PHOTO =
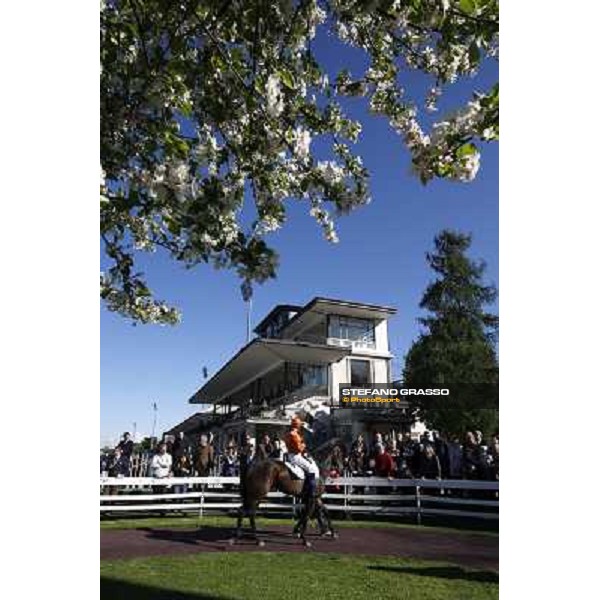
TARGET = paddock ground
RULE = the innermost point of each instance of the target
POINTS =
(161, 562)
(471, 550)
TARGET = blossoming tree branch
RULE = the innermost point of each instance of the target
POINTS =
(207, 105)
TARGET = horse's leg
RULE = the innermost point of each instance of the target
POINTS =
(253, 525)
(325, 518)
(319, 513)
(299, 517)
(240, 516)
(240, 520)
(309, 507)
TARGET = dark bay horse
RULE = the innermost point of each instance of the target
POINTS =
(272, 475)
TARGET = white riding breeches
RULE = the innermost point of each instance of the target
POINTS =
(306, 464)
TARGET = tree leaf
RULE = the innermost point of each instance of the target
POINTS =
(468, 6)
(466, 150)
(474, 54)
(286, 78)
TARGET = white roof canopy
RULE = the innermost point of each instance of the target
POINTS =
(258, 357)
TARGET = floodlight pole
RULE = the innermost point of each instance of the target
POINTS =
(155, 408)
(248, 319)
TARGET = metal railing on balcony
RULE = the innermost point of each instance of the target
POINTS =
(335, 341)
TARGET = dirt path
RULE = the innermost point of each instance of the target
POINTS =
(469, 550)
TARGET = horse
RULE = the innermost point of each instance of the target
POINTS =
(268, 475)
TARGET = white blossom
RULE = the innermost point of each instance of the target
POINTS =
(268, 223)
(467, 168)
(432, 98)
(331, 172)
(178, 173)
(273, 96)
(261, 131)
(316, 16)
(302, 143)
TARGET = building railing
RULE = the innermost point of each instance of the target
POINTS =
(335, 341)
(347, 495)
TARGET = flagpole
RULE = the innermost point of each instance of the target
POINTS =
(155, 408)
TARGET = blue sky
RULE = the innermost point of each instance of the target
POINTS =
(380, 259)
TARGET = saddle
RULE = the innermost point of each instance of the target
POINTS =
(295, 471)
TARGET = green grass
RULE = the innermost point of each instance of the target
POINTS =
(272, 576)
(225, 521)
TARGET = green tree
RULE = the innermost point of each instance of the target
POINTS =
(458, 344)
(209, 105)
(144, 445)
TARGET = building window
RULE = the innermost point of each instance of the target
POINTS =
(306, 376)
(360, 372)
(314, 376)
(350, 328)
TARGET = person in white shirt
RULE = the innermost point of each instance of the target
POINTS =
(161, 466)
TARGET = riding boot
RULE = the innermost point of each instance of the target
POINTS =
(310, 486)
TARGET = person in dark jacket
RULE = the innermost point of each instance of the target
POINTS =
(126, 445)
(205, 457)
(337, 460)
(104, 459)
(246, 455)
(180, 446)
(406, 452)
(265, 448)
(277, 453)
(118, 466)
(472, 459)
(402, 468)
(181, 468)
(430, 464)
(455, 459)
(440, 445)
(495, 454)
(358, 456)
(230, 467)
(333, 466)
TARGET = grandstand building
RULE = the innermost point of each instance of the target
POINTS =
(295, 364)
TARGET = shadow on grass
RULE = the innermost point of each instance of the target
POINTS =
(210, 534)
(115, 589)
(217, 535)
(442, 573)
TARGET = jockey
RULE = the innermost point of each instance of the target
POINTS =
(296, 455)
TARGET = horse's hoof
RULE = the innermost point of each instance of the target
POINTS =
(260, 543)
(335, 535)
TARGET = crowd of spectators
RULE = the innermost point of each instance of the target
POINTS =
(431, 456)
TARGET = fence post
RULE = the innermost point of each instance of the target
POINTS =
(201, 500)
(418, 499)
(346, 500)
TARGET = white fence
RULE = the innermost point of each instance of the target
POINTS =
(348, 495)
